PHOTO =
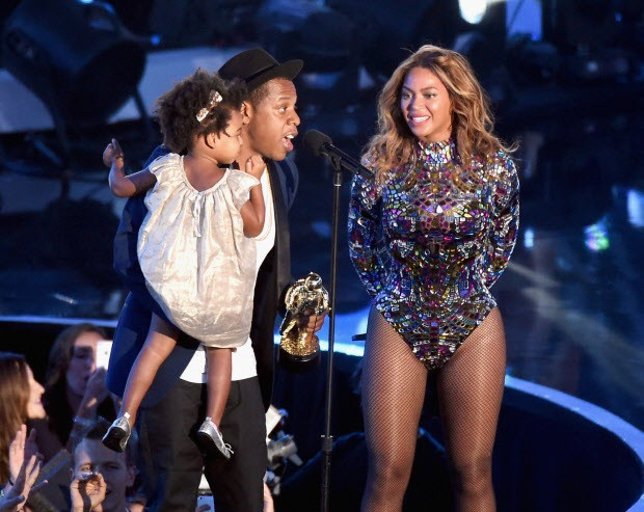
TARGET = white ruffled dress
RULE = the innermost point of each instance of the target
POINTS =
(197, 263)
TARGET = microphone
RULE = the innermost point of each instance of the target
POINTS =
(322, 145)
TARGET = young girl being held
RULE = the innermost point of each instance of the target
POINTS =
(194, 247)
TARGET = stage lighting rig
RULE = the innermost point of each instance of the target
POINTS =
(77, 58)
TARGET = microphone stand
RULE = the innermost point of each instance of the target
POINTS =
(327, 438)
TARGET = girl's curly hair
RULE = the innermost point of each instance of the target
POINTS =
(177, 109)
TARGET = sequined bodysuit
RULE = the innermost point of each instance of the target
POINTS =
(430, 241)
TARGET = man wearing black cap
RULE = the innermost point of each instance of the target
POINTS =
(175, 405)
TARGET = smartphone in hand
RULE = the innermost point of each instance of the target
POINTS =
(103, 349)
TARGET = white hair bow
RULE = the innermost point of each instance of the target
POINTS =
(213, 100)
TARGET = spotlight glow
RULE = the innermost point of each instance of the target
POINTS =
(472, 11)
(596, 236)
(528, 238)
(635, 207)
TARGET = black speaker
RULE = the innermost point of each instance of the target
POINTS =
(76, 56)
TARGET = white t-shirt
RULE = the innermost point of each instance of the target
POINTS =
(244, 363)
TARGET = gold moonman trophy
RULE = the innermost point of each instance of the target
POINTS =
(305, 297)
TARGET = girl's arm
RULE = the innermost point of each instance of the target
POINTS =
(123, 185)
(253, 211)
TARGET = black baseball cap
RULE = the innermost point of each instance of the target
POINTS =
(256, 66)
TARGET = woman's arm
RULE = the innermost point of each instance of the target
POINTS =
(95, 392)
(504, 222)
(253, 212)
(21, 448)
(364, 228)
(24, 481)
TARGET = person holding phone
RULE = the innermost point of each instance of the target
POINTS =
(75, 391)
(103, 349)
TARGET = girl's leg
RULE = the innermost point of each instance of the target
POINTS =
(161, 340)
(393, 389)
(219, 376)
(470, 389)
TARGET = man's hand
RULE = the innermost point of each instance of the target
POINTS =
(88, 495)
(311, 323)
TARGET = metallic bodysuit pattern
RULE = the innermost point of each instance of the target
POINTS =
(429, 242)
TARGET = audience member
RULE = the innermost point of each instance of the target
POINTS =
(20, 461)
(101, 477)
(20, 401)
(75, 392)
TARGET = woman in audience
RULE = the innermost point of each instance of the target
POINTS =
(75, 392)
(20, 401)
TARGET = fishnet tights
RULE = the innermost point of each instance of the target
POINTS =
(470, 388)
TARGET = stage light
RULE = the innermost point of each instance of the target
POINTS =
(472, 11)
(76, 57)
(635, 207)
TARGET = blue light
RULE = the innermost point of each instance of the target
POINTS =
(635, 207)
(528, 238)
(524, 17)
(596, 236)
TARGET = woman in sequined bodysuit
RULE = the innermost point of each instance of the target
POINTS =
(428, 237)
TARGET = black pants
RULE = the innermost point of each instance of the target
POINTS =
(172, 462)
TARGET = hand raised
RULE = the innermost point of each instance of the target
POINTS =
(96, 388)
(11, 503)
(24, 484)
(113, 155)
(21, 449)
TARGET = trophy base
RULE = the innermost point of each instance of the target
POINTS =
(298, 363)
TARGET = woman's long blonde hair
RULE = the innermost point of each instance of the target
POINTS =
(14, 396)
(472, 122)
